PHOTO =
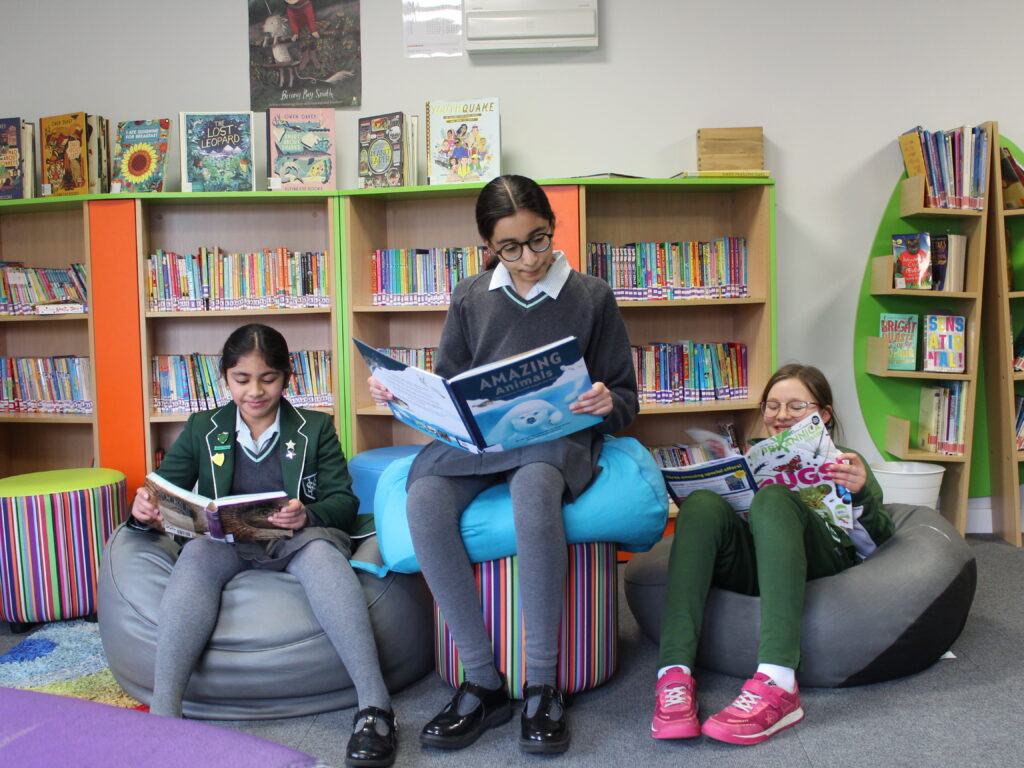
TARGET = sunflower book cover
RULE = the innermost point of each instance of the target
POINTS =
(140, 155)
(17, 158)
(64, 154)
(463, 141)
(300, 148)
(216, 152)
(242, 517)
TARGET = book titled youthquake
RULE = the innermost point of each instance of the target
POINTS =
(900, 333)
(140, 155)
(301, 144)
(463, 141)
(242, 517)
(216, 152)
(506, 404)
(387, 150)
(796, 458)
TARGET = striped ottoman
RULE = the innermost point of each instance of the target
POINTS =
(588, 638)
(52, 529)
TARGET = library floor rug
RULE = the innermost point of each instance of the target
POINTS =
(65, 658)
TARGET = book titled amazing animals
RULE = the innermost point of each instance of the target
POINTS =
(506, 404)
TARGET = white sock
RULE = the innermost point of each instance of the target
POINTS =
(683, 667)
(784, 677)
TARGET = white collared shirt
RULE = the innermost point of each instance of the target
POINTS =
(245, 440)
(550, 284)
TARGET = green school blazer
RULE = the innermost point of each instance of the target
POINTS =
(314, 468)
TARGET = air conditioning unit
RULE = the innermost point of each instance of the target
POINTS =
(529, 25)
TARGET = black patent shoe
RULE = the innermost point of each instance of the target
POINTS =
(450, 730)
(367, 748)
(547, 732)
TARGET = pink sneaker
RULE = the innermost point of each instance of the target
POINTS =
(675, 710)
(758, 712)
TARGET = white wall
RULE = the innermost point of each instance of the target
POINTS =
(832, 83)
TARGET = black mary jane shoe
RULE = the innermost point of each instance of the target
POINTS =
(546, 732)
(450, 730)
(367, 748)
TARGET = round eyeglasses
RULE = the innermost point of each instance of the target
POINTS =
(794, 406)
(513, 251)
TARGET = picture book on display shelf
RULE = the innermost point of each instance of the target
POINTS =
(463, 141)
(216, 152)
(900, 333)
(74, 154)
(796, 458)
(517, 401)
(140, 155)
(241, 517)
(387, 150)
(300, 148)
(912, 265)
(943, 343)
(17, 158)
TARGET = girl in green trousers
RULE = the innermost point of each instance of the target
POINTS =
(773, 553)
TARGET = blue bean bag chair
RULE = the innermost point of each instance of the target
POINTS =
(626, 504)
(894, 614)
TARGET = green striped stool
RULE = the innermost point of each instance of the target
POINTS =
(587, 639)
(52, 529)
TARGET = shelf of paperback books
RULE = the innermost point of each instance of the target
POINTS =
(46, 406)
(209, 263)
(1003, 318)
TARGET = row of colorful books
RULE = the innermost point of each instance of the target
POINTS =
(690, 371)
(217, 153)
(931, 262)
(952, 163)
(693, 269)
(422, 358)
(942, 419)
(424, 276)
(42, 290)
(45, 384)
(941, 338)
(212, 279)
(192, 382)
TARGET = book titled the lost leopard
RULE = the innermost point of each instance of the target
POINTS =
(242, 517)
(506, 404)
(797, 458)
(216, 152)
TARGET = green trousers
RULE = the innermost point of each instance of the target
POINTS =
(773, 553)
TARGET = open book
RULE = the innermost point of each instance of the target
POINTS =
(795, 458)
(242, 517)
(506, 404)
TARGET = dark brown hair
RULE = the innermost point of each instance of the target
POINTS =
(256, 337)
(505, 196)
(816, 384)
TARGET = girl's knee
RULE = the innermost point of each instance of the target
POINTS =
(774, 500)
(706, 506)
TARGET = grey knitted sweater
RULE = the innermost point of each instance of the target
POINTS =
(484, 325)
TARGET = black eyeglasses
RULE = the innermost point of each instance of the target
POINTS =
(514, 251)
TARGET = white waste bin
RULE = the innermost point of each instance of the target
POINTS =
(909, 482)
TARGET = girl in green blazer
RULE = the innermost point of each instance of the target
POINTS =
(260, 442)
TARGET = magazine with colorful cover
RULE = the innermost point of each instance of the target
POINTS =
(796, 458)
(387, 150)
(301, 143)
(516, 401)
(463, 141)
(140, 155)
(242, 517)
(17, 158)
(216, 152)
(912, 266)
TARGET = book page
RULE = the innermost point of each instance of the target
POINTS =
(183, 512)
(730, 477)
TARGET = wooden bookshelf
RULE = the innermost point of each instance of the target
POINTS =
(1003, 316)
(901, 389)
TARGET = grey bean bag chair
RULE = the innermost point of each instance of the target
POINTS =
(268, 657)
(894, 614)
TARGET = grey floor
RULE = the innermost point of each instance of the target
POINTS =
(960, 712)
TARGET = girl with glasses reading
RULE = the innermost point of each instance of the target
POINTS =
(780, 546)
(527, 297)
